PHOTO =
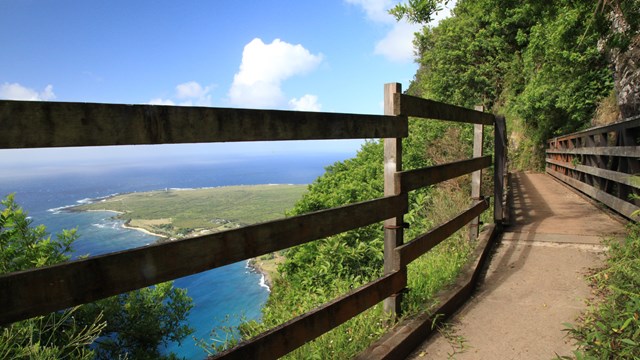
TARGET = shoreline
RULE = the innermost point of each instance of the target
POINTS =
(254, 265)
(265, 265)
(127, 226)
(87, 201)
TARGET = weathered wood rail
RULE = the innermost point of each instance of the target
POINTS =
(600, 162)
(49, 124)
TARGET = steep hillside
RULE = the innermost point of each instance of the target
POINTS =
(546, 65)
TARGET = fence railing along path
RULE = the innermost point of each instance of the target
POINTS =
(39, 291)
(535, 280)
(600, 162)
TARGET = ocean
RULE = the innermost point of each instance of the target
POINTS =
(221, 296)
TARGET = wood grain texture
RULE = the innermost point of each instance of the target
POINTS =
(500, 171)
(623, 207)
(619, 177)
(626, 151)
(393, 227)
(476, 176)
(34, 124)
(415, 179)
(424, 108)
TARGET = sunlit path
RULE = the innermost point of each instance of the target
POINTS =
(535, 280)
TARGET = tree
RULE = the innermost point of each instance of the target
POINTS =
(418, 11)
(139, 322)
(54, 336)
(537, 61)
(134, 324)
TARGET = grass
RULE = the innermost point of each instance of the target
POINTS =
(426, 276)
(610, 329)
(180, 213)
(238, 205)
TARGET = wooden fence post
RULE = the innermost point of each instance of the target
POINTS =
(393, 228)
(476, 176)
(499, 169)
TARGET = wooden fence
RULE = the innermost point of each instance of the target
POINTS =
(600, 162)
(49, 124)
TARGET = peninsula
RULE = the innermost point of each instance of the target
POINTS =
(173, 214)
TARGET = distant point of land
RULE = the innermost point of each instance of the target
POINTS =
(179, 213)
(173, 214)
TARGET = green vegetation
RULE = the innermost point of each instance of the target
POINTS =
(537, 62)
(611, 327)
(320, 271)
(181, 213)
(132, 325)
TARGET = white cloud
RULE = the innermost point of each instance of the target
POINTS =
(264, 67)
(397, 45)
(159, 101)
(190, 93)
(16, 91)
(307, 102)
(376, 10)
(190, 89)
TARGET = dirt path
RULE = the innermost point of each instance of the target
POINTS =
(535, 280)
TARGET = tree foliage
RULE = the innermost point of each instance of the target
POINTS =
(133, 325)
(417, 11)
(140, 322)
(54, 336)
(536, 61)
(539, 62)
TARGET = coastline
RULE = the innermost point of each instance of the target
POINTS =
(126, 225)
(267, 265)
(254, 265)
(165, 227)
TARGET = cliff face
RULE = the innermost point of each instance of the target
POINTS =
(627, 82)
(625, 63)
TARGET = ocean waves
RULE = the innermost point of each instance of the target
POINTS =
(57, 210)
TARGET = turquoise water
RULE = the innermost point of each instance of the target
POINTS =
(221, 296)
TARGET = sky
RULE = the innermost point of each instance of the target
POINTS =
(332, 55)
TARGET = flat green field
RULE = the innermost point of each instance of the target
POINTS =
(182, 213)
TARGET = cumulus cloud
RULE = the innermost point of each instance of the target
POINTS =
(397, 45)
(16, 91)
(190, 93)
(376, 10)
(264, 67)
(307, 102)
(191, 90)
(159, 101)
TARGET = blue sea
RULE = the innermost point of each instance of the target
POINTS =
(45, 186)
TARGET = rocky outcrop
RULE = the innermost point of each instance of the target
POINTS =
(625, 63)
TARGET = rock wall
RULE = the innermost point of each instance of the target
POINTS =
(625, 63)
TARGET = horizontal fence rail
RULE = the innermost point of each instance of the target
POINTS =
(42, 124)
(40, 291)
(623, 151)
(415, 179)
(427, 241)
(34, 124)
(602, 162)
(295, 333)
(424, 108)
